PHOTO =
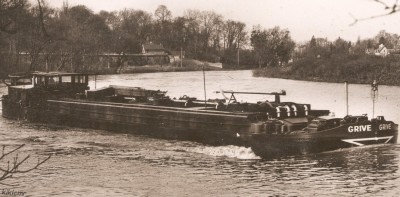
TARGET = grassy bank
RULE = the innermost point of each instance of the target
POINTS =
(361, 69)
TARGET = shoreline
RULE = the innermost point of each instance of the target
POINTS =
(324, 81)
(353, 69)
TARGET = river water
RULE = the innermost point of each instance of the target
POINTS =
(88, 162)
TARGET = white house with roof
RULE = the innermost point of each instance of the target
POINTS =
(382, 51)
(154, 49)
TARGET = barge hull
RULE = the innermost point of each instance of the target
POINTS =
(205, 127)
(165, 122)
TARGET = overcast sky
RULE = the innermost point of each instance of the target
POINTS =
(304, 18)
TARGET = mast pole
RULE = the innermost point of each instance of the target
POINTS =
(47, 65)
(374, 91)
(238, 56)
(181, 56)
(204, 85)
(346, 87)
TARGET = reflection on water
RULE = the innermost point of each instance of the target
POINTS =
(89, 162)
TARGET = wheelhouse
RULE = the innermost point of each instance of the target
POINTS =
(23, 79)
(60, 79)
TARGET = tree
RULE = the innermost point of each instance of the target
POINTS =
(9, 12)
(285, 48)
(382, 40)
(209, 22)
(259, 43)
(16, 165)
(162, 14)
(111, 19)
(234, 37)
(234, 34)
(273, 46)
(75, 33)
(361, 46)
(313, 42)
(340, 46)
(136, 28)
(192, 18)
(179, 34)
(35, 38)
(163, 25)
(387, 39)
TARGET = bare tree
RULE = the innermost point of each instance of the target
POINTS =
(14, 166)
(234, 34)
(209, 22)
(163, 14)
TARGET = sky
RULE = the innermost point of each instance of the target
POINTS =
(303, 18)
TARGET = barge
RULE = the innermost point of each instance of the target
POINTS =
(270, 128)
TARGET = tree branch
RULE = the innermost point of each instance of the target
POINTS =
(382, 3)
(392, 9)
(5, 154)
(16, 164)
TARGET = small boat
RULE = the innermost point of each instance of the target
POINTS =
(270, 128)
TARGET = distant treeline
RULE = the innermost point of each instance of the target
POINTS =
(72, 38)
(63, 37)
(340, 60)
(339, 68)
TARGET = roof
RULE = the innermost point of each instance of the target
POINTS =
(153, 47)
(20, 76)
(24, 87)
(381, 47)
(51, 74)
(327, 117)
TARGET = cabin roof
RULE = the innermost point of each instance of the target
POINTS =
(153, 47)
(327, 117)
(22, 87)
(20, 75)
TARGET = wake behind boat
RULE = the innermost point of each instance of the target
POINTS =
(270, 128)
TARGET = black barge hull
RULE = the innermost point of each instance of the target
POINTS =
(270, 128)
(209, 127)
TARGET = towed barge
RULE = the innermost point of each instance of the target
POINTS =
(270, 128)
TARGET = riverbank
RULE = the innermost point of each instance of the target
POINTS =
(187, 65)
(357, 69)
(103, 69)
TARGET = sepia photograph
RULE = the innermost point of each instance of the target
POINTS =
(199, 98)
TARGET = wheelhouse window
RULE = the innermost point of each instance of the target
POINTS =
(66, 79)
(58, 80)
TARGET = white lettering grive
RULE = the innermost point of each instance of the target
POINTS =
(359, 128)
(385, 127)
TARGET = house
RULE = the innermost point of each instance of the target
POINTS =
(154, 49)
(382, 51)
